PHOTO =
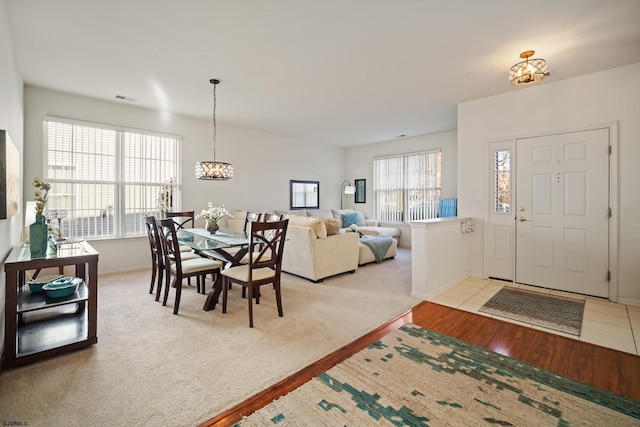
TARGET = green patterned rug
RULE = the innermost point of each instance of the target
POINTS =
(417, 377)
(548, 311)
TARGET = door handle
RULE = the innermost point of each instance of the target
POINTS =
(523, 219)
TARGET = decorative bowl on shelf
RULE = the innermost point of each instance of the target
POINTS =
(60, 288)
(36, 285)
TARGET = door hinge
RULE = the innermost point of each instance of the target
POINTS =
(609, 212)
(608, 275)
(610, 150)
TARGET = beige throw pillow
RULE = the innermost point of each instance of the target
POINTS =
(316, 224)
(332, 226)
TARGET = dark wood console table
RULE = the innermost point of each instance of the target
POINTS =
(37, 327)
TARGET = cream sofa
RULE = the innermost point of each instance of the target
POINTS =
(310, 253)
(317, 246)
(365, 226)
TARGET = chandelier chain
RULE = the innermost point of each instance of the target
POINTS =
(214, 120)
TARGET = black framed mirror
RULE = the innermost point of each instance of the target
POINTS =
(304, 194)
(361, 191)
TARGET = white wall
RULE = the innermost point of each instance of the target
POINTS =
(360, 166)
(263, 163)
(583, 102)
(11, 117)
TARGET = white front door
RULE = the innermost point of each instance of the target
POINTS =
(562, 211)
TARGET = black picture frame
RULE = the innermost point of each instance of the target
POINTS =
(361, 191)
(304, 194)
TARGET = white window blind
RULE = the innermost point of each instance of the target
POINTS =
(105, 178)
(407, 187)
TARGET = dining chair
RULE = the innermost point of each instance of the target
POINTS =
(262, 217)
(184, 219)
(271, 217)
(157, 262)
(250, 218)
(157, 256)
(264, 266)
(177, 267)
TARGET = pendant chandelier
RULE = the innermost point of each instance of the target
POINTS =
(528, 71)
(210, 169)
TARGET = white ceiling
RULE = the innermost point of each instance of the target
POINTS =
(341, 72)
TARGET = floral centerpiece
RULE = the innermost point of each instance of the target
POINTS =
(212, 215)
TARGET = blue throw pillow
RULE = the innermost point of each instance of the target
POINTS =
(349, 218)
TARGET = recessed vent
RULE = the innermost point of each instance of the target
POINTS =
(126, 98)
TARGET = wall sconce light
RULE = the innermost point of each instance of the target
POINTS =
(528, 71)
(346, 188)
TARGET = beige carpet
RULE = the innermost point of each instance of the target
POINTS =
(153, 368)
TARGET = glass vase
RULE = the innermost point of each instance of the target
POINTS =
(212, 227)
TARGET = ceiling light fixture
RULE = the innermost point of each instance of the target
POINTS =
(212, 170)
(528, 71)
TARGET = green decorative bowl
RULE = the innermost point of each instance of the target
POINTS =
(36, 285)
(61, 288)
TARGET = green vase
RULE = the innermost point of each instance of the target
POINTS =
(39, 237)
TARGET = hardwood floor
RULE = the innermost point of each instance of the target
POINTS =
(609, 369)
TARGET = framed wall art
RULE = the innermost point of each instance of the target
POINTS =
(9, 176)
(361, 191)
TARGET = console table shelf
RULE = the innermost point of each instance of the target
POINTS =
(37, 326)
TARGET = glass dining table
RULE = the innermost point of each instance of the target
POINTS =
(226, 245)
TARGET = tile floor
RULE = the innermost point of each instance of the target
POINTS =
(604, 323)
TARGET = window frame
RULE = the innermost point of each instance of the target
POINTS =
(124, 186)
(502, 181)
(407, 190)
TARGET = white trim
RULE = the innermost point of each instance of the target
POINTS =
(613, 196)
(614, 143)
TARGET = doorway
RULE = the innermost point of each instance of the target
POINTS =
(550, 226)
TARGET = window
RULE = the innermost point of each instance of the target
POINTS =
(407, 187)
(105, 178)
(502, 181)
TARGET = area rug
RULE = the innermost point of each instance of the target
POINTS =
(548, 311)
(417, 377)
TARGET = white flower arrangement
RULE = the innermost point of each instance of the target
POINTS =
(353, 228)
(213, 214)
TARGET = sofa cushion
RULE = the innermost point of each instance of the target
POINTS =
(320, 213)
(239, 214)
(379, 231)
(349, 218)
(298, 212)
(332, 226)
(316, 224)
